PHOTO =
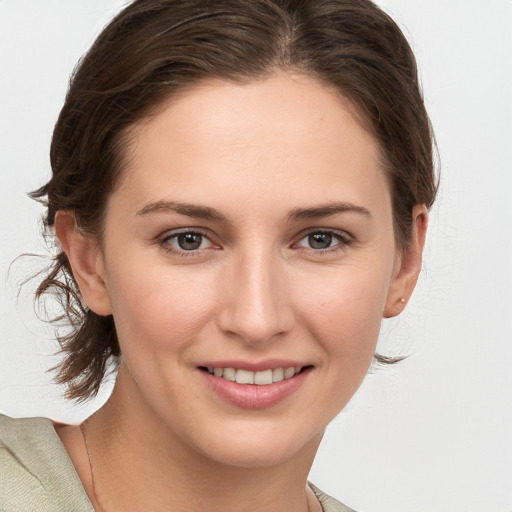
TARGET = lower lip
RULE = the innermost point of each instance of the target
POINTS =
(252, 396)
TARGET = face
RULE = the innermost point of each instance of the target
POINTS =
(251, 237)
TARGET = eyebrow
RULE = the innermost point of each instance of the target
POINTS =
(211, 214)
(326, 210)
(190, 210)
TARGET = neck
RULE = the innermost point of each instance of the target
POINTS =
(138, 464)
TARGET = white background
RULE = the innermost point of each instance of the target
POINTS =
(434, 433)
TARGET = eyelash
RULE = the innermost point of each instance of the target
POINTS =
(164, 242)
(343, 239)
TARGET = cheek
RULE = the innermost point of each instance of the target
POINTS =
(343, 310)
(160, 306)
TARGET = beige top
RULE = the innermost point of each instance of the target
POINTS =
(36, 473)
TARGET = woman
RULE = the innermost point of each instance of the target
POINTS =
(240, 191)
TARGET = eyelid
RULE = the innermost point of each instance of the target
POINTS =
(163, 239)
(344, 238)
(173, 233)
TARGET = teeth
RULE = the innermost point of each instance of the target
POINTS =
(261, 378)
(244, 377)
(289, 372)
(277, 375)
(229, 374)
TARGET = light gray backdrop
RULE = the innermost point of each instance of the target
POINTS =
(434, 433)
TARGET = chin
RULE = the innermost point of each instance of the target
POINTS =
(251, 458)
(261, 451)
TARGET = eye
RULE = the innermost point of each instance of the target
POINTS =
(186, 241)
(323, 240)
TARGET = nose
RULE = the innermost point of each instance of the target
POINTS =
(255, 303)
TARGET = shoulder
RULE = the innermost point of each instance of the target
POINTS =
(35, 470)
(329, 504)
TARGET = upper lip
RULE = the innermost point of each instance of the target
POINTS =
(268, 364)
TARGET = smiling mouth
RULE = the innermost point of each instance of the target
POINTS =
(259, 378)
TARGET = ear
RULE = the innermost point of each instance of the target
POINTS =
(86, 261)
(408, 265)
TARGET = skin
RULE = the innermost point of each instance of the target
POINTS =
(255, 289)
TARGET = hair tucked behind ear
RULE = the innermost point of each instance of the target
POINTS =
(154, 49)
(90, 339)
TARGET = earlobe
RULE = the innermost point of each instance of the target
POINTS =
(86, 261)
(408, 266)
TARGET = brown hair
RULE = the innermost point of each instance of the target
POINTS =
(155, 48)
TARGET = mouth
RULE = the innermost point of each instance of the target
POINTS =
(258, 378)
(266, 385)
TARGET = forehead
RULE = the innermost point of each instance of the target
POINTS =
(243, 142)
